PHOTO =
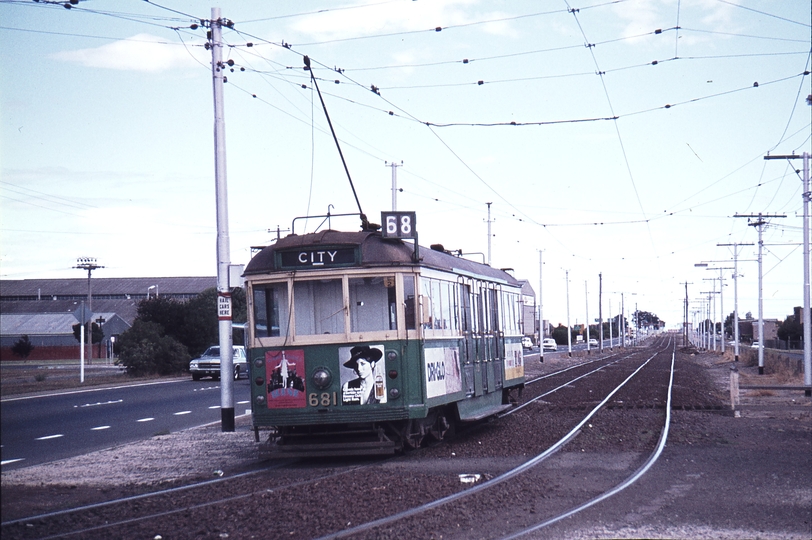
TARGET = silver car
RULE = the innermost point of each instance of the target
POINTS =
(208, 365)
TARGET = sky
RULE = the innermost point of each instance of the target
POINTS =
(610, 145)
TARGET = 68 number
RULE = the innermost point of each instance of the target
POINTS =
(399, 225)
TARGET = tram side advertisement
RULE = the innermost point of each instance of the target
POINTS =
(514, 361)
(285, 375)
(443, 375)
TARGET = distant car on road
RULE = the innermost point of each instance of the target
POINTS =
(208, 364)
(755, 345)
(593, 342)
(549, 344)
(527, 343)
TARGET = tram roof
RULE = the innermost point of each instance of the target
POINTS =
(376, 251)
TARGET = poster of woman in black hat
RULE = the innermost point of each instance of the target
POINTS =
(362, 375)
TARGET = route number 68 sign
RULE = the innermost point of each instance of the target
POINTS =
(399, 224)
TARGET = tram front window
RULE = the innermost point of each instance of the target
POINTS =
(372, 304)
(319, 307)
(271, 310)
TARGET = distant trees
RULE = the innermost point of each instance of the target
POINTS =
(22, 347)
(187, 328)
(96, 333)
(791, 330)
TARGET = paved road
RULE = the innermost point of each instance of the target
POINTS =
(40, 429)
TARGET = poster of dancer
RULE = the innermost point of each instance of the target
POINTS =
(286, 386)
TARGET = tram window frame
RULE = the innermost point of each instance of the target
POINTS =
(410, 301)
(440, 306)
(270, 300)
(366, 303)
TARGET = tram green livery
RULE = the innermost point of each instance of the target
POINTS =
(357, 346)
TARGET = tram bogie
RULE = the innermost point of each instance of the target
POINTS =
(356, 347)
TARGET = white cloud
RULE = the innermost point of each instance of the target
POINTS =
(386, 18)
(142, 52)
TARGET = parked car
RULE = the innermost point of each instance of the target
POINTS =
(593, 342)
(549, 344)
(208, 364)
(527, 343)
(755, 345)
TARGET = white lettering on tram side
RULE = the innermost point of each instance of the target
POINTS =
(316, 258)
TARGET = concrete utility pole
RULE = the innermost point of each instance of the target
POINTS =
(600, 310)
(541, 315)
(569, 332)
(223, 245)
(394, 183)
(735, 297)
(685, 318)
(489, 233)
(586, 296)
(89, 264)
(760, 222)
(807, 316)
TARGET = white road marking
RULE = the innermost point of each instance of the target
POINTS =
(99, 403)
(179, 413)
(48, 437)
(214, 407)
(145, 420)
(6, 462)
(99, 428)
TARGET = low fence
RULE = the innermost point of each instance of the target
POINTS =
(55, 352)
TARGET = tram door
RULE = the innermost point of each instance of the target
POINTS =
(490, 337)
(469, 345)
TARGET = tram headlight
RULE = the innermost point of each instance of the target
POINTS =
(394, 393)
(259, 400)
(259, 362)
(322, 378)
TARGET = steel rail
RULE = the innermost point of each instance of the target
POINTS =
(623, 485)
(494, 481)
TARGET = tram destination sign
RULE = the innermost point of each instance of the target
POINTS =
(327, 257)
(399, 224)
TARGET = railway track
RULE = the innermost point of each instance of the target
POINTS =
(535, 461)
(306, 500)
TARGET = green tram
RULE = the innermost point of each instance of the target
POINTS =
(360, 344)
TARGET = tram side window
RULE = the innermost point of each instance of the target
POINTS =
(372, 304)
(410, 301)
(271, 310)
(319, 307)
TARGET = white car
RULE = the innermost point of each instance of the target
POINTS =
(527, 343)
(208, 364)
(549, 344)
(593, 342)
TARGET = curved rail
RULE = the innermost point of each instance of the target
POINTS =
(517, 470)
(623, 485)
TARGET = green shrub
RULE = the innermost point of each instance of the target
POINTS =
(145, 350)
